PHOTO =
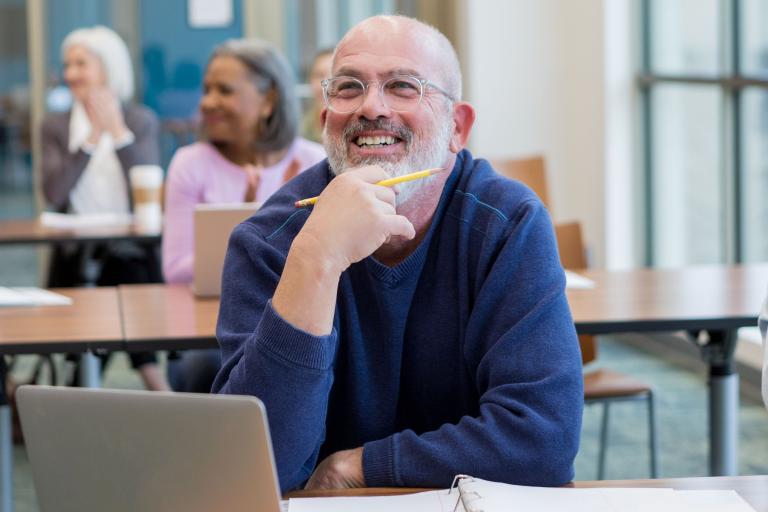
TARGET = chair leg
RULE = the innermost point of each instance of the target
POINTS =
(603, 442)
(654, 442)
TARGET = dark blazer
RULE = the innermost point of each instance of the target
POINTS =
(62, 169)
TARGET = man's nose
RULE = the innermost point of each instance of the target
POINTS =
(373, 105)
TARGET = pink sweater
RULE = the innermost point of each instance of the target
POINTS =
(198, 173)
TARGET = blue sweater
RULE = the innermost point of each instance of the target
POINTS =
(463, 358)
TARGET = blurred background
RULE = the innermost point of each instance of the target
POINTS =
(652, 114)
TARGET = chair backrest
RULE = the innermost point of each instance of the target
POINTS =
(571, 245)
(573, 256)
(530, 171)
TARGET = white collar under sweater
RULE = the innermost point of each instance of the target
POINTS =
(102, 187)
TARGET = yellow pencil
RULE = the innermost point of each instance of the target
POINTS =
(385, 183)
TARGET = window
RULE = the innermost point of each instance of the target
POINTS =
(704, 86)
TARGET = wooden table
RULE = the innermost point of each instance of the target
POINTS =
(690, 298)
(754, 489)
(92, 321)
(719, 299)
(30, 231)
(167, 317)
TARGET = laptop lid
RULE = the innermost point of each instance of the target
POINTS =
(119, 450)
(213, 225)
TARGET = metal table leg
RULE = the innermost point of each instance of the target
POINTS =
(6, 444)
(90, 370)
(723, 403)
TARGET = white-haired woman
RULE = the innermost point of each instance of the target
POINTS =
(87, 153)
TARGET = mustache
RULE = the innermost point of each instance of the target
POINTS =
(358, 126)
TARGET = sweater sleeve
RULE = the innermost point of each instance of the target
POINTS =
(182, 193)
(521, 348)
(263, 355)
(60, 168)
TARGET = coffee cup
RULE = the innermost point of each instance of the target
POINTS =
(146, 187)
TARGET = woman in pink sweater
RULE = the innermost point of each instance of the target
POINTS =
(250, 121)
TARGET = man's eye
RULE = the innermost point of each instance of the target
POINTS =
(402, 88)
(347, 89)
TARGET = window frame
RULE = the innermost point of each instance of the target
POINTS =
(731, 83)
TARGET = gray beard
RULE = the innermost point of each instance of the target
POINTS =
(420, 154)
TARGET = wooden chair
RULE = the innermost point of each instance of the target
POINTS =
(603, 385)
(530, 171)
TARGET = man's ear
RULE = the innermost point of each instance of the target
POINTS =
(323, 117)
(463, 119)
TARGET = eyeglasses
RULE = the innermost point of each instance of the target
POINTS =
(402, 93)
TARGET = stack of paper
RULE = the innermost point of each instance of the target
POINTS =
(487, 496)
(84, 221)
(29, 296)
(577, 281)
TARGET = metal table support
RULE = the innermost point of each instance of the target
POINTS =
(6, 444)
(718, 352)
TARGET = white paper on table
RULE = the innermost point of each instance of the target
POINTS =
(497, 496)
(492, 497)
(31, 296)
(437, 501)
(577, 281)
(715, 501)
(83, 221)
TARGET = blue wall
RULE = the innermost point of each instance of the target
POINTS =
(174, 55)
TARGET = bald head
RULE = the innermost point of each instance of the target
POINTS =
(413, 36)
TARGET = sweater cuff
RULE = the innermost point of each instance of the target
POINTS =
(294, 345)
(125, 140)
(379, 463)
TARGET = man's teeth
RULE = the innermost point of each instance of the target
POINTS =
(375, 141)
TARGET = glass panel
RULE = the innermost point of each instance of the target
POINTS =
(754, 37)
(312, 26)
(18, 264)
(15, 166)
(685, 36)
(754, 198)
(688, 215)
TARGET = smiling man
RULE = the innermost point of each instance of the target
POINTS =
(398, 337)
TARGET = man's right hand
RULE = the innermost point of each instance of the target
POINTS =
(352, 218)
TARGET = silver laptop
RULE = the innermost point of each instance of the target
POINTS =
(118, 450)
(213, 225)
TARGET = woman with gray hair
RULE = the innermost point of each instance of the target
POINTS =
(250, 148)
(87, 154)
(88, 151)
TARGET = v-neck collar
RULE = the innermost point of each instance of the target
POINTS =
(392, 276)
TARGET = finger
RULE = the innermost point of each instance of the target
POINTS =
(384, 194)
(386, 208)
(399, 225)
(370, 173)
